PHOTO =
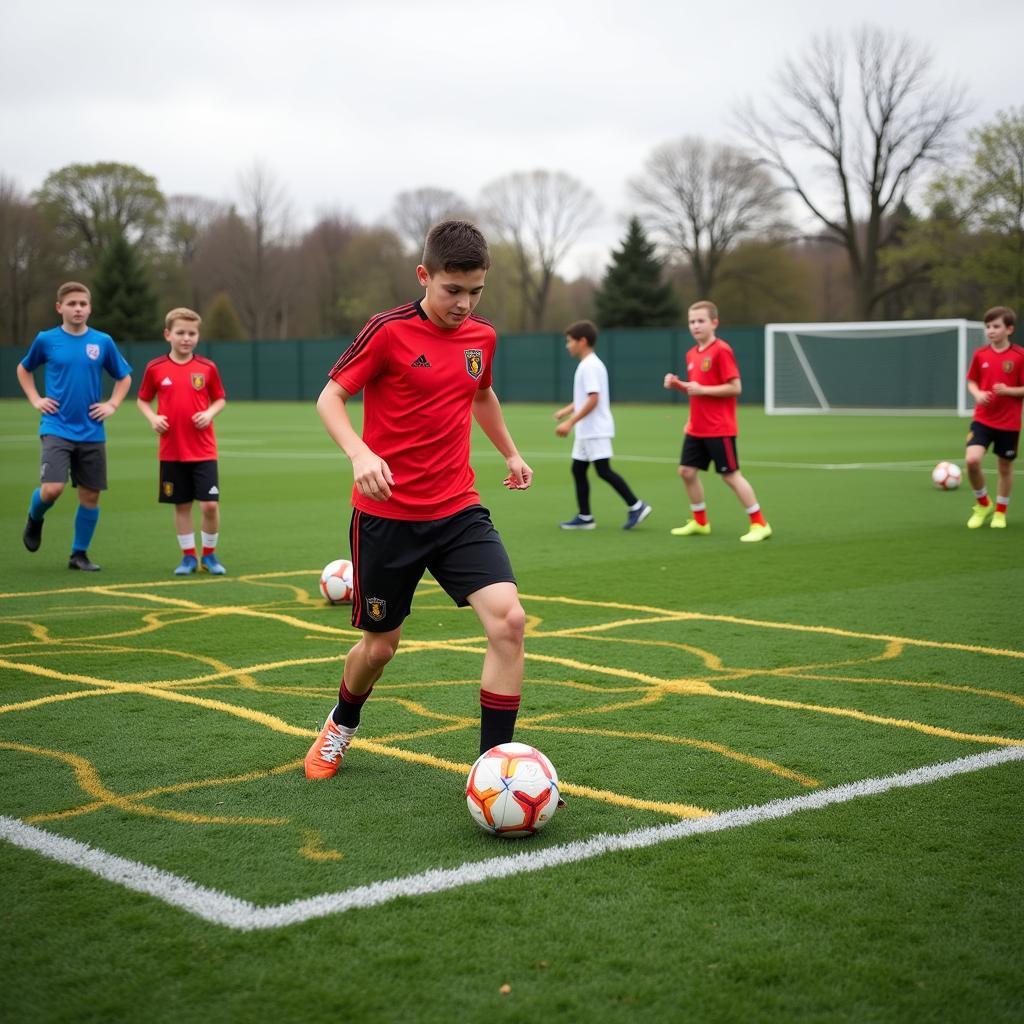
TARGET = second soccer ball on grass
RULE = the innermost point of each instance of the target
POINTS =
(336, 581)
(947, 476)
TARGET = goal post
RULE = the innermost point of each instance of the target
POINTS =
(884, 367)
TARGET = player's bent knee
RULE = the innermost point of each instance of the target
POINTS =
(379, 649)
(50, 492)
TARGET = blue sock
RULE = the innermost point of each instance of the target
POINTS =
(85, 527)
(37, 507)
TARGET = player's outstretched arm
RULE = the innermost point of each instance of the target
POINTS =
(487, 412)
(372, 475)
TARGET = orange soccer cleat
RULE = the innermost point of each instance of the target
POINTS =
(324, 757)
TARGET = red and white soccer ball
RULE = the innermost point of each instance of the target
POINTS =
(336, 581)
(947, 476)
(512, 790)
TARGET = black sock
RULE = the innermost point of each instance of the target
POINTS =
(498, 713)
(349, 708)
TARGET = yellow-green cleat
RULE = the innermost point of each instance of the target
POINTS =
(756, 533)
(691, 528)
(979, 513)
(998, 521)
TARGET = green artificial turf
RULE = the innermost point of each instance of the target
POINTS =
(164, 720)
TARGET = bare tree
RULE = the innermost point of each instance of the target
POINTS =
(875, 131)
(540, 215)
(260, 287)
(416, 212)
(25, 247)
(187, 224)
(699, 200)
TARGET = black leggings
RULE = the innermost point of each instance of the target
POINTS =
(606, 473)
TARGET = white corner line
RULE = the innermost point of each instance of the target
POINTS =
(231, 912)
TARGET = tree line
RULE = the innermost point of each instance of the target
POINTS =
(856, 191)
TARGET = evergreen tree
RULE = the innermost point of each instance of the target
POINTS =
(221, 321)
(632, 293)
(123, 301)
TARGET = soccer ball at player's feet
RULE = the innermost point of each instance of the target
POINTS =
(336, 581)
(512, 790)
(947, 476)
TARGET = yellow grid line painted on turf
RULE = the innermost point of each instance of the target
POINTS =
(621, 688)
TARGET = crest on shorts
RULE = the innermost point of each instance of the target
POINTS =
(705, 364)
(168, 488)
(474, 362)
(376, 608)
(198, 381)
(92, 351)
(1007, 366)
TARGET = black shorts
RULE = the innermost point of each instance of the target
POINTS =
(463, 552)
(184, 482)
(85, 460)
(1004, 442)
(700, 452)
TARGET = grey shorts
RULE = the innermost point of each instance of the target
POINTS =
(85, 460)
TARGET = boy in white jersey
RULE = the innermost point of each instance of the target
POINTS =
(590, 414)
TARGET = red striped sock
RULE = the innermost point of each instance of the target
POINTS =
(498, 713)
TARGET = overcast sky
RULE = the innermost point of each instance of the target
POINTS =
(348, 103)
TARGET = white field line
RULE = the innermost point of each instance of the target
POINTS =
(484, 455)
(220, 908)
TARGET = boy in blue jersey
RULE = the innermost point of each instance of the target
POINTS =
(71, 428)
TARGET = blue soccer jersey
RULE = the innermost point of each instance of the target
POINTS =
(74, 368)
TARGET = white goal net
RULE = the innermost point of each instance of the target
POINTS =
(904, 366)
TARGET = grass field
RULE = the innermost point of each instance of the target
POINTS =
(792, 769)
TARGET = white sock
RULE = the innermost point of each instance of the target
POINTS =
(699, 507)
(753, 508)
(186, 541)
(209, 539)
(983, 493)
(1001, 500)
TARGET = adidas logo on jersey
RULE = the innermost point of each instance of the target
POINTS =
(166, 382)
(421, 362)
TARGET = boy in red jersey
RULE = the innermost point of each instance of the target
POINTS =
(996, 380)
(189, 395)
(713, 386)
(425, 373)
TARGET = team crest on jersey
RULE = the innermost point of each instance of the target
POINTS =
(1007, 366)
(92, 351)
(474, 362)
(168, 489)
(198, 381)
(705, 364)
(376, 608)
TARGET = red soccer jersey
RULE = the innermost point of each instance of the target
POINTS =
(712, 416)
(183, 389)
(988, 368)
(418, 382)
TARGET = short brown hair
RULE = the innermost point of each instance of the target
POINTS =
(1003, 313)
(182, 313)
(454, 245)
(72, 286)
(705, 304)
(585, 329)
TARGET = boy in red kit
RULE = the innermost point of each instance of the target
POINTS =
(425, 373)
(996, 380)
(189, 395)
(713, 386)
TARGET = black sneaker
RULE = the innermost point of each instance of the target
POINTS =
(80, 560)
(33, 535)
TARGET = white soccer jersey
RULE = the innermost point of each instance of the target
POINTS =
(592, 378)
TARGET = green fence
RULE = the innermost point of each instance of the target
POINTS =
(528, 367)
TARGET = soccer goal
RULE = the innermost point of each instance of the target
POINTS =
(904, 366)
